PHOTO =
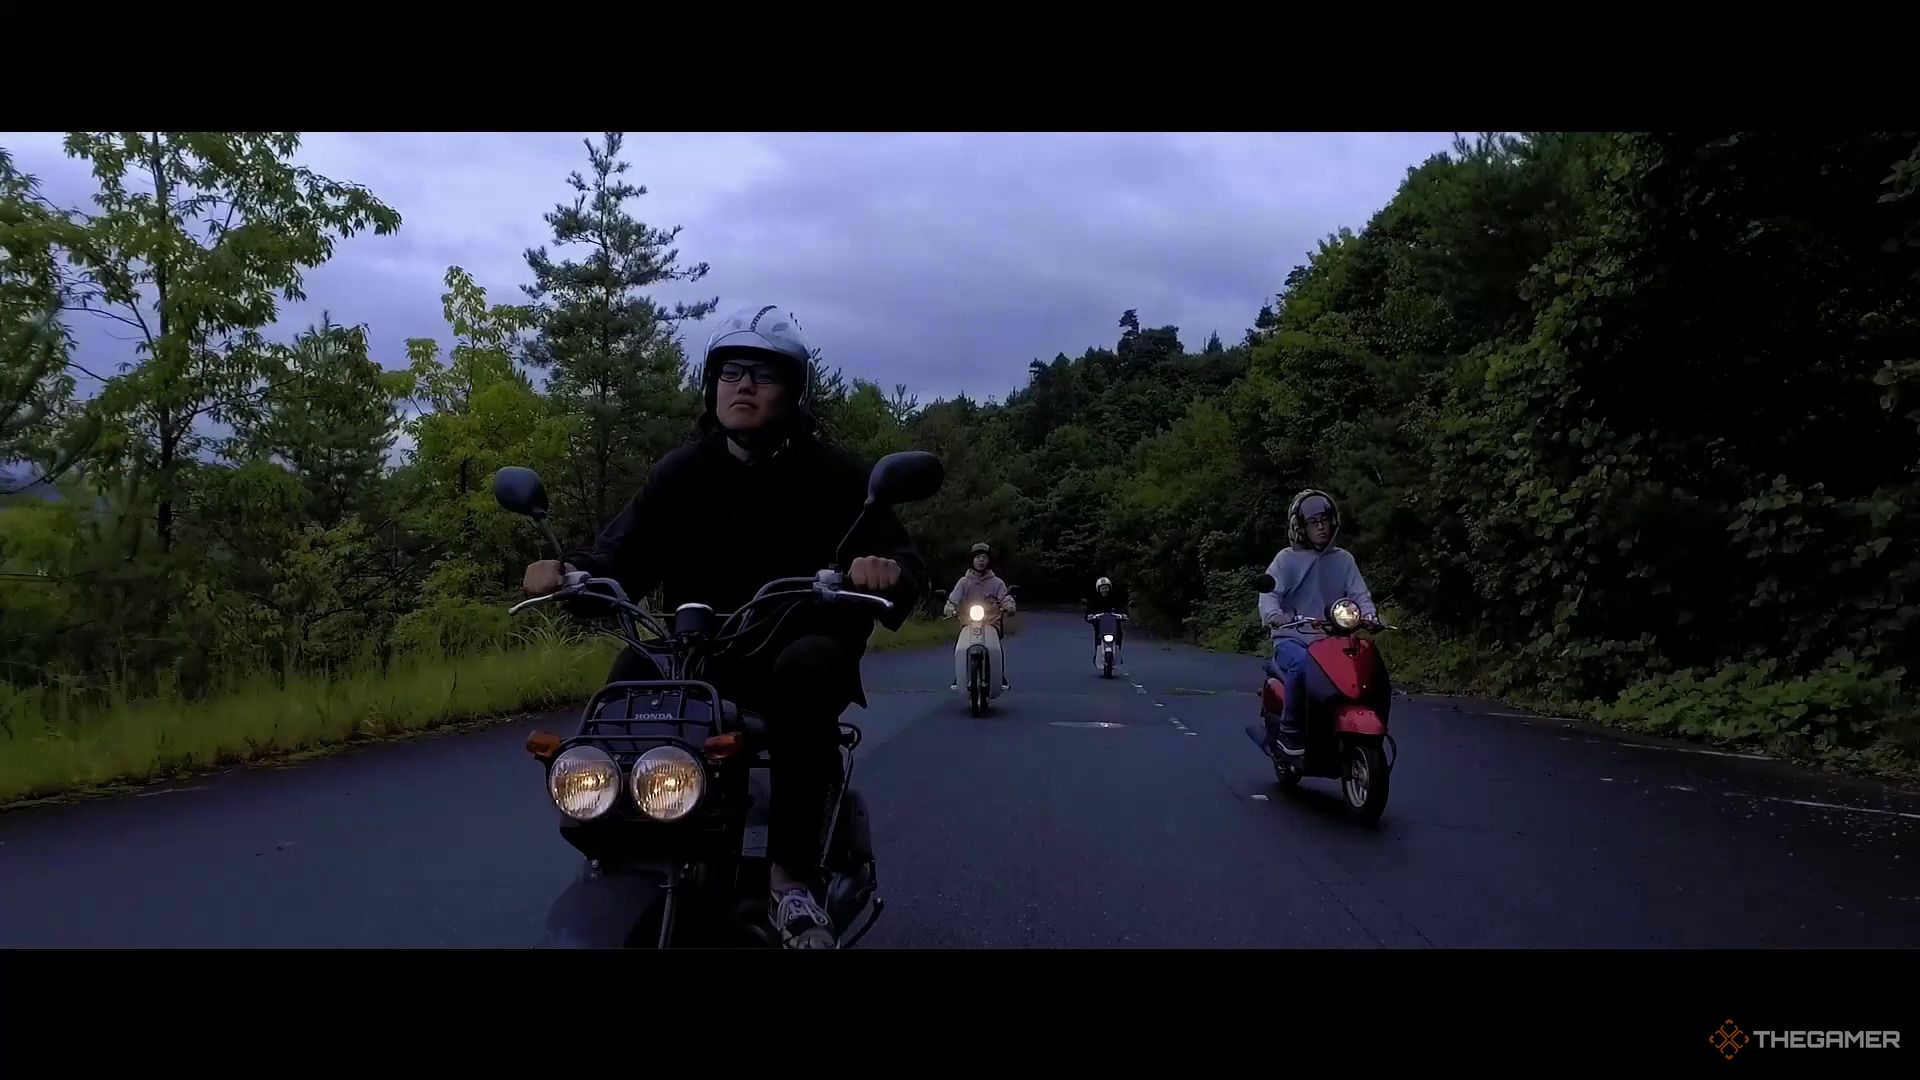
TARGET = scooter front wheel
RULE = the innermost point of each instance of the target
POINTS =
(1364, 779)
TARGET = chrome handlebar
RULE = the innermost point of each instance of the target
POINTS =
(1370, 626)
(825, 585)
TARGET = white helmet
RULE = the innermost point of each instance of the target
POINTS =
(1103, 583)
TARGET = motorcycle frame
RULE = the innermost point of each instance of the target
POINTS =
(712, 835)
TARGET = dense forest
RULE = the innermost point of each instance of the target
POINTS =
(1624, 422)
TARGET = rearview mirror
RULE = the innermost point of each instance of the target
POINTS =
(1264, 583)
(908, 476)
(518, 490)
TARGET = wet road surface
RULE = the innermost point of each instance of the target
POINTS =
(1080, 812)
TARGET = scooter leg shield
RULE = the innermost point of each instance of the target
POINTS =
(994, 670)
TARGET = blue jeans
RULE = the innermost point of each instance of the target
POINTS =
(1289, 665)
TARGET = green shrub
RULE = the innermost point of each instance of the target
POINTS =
(1227, 617)
(1845, 706)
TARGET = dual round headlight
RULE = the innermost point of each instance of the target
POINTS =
(584, 782)
(666, 783)
(1346, 614)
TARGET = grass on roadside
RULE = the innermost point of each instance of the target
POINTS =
(55, 745)
(1847, 715)
(50, 743)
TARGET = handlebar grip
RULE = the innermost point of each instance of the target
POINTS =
(842, 596)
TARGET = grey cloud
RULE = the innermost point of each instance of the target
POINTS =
(944, 261)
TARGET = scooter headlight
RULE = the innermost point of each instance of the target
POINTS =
(584, 782)
(1108, 639)
(977, 612)
(1346, 614)
(667, 783)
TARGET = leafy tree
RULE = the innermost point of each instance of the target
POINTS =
(477, 413)
(38, 424)
(197, 237)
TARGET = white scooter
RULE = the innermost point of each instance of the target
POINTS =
(1107, 653)
(977, 655)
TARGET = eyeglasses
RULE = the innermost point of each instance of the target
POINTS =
(763, 374)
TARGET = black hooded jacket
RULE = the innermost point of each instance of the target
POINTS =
(711, 529)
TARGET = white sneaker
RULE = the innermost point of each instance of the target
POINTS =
(802, 923)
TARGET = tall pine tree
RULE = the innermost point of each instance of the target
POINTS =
(615, 367)
(331, 419)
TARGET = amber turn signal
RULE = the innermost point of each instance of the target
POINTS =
(543, 745)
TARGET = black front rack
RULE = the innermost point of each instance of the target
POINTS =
(652, 704)
(679, 703)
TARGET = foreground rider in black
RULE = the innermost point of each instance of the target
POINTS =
(764, 499)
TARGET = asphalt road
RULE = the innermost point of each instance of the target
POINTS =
(1081, 812)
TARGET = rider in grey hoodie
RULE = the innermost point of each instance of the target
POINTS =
(982, 584)
(1309, 574)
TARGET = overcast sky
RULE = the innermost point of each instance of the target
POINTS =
(944, 261)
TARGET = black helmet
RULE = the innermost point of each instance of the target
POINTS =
(759, 333)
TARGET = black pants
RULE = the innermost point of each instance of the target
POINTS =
(801, 691)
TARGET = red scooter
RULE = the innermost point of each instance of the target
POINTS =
(1344, 719)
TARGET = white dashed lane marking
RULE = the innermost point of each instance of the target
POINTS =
(1811, 803)
(1825, 806)
(1631, 745)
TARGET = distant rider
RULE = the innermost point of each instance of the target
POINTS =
(1108, 597)
(1309, 574)
(980, 584)
(758, 497)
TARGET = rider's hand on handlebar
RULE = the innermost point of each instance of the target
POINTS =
(873, 573)
(543, 578)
